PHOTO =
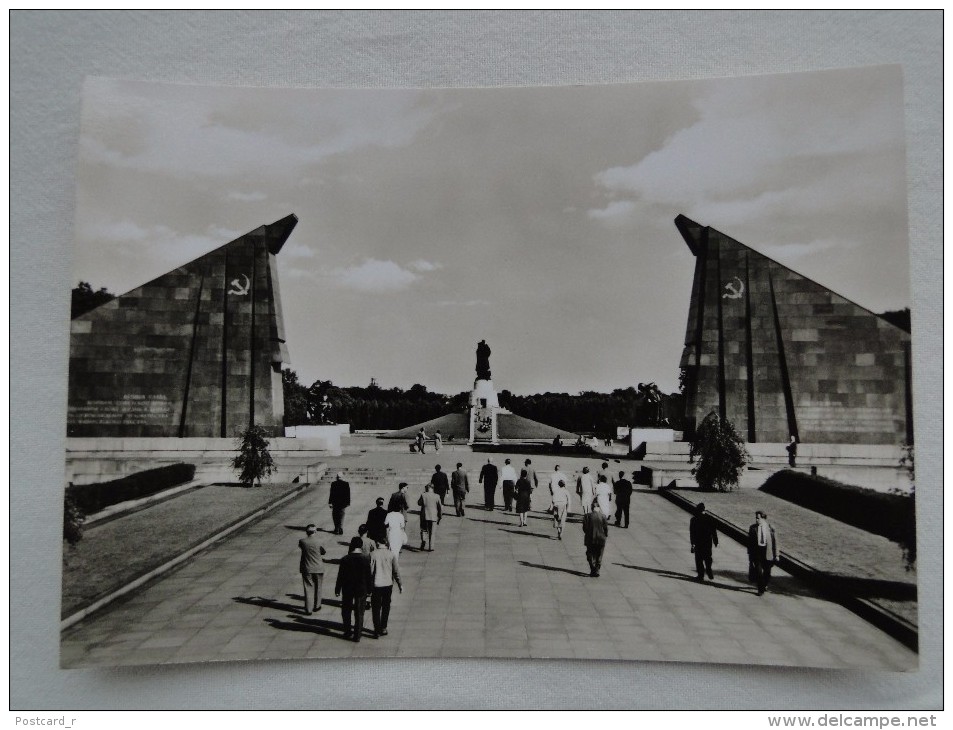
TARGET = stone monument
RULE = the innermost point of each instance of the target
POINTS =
(484, 404)
(782, 356)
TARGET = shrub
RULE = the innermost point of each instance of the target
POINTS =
(721, 454)
(90, 498)
(254, 460)
(73, 519)
(891, 515)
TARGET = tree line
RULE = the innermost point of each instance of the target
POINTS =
(374, 407)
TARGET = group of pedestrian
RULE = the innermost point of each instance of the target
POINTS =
(421, 438)
(370, 569)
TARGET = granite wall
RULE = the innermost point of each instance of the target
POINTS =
(779, 354)
(195, 352)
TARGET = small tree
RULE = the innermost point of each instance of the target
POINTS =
(721, 454)
(908, 519)
(254, 460)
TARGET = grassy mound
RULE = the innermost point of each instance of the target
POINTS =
(889, 515)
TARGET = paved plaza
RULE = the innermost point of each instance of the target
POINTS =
(489, 589)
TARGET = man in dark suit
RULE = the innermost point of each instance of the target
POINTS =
(441, 485)
(595, 530)
(489, 475)
(460, 486)
(623, 494)
(376, 530)
(703, 535)
(312, 569)
(398, 500)
(763, 550)
(353, 585)
(339, 500)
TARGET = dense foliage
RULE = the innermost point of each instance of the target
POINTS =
(254, 461)
(73, 519)
(721, 454)
(84, 299)
(90, 498)
(892, 515)
(373, 407)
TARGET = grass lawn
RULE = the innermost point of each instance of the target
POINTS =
(114, 553)
(871, 566)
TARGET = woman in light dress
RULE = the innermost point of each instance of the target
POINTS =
(396, 534)
(586, 490)
(604, 494)
(560, 507)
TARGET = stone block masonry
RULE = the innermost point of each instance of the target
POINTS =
(779, 354)
(196, 352)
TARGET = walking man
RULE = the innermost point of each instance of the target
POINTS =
(312, 568)
(354, 582)
(398, 501)
(376, 529)
(430, 511)
(595, 530)
(703, 535)
(488, 478)
(440, 484)
(763, 549)
(460, 486)
(339, 500)
(508, 477)
(421, 440)
(385, 572)
(623, 494)
(531, 473)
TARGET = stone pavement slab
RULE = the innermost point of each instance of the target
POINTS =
(490, 589)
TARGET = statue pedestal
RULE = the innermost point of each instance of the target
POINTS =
(484, 407)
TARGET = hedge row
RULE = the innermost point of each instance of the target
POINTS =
(93, 497)
(890, 515)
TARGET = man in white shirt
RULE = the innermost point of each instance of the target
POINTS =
(508, 475)
(385, 572)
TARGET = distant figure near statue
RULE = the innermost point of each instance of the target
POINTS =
(483, 361)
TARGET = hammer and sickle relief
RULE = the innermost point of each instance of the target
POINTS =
(733, 290)
(238, 289)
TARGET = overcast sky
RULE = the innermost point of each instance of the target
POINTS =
(539, 219)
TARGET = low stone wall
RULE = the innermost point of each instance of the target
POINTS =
(886, 455)
(90, 460)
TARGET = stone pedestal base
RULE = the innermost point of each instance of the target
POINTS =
(484, 407)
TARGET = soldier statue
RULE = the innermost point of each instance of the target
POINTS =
(483, 361)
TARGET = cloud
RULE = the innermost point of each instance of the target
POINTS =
(297, 250)
(375, 275)
(246, 197)
(424, 266)
(466, 303)
(793, 251)
(127, 238)
(216, 132)
(615, 212)
(766, 147)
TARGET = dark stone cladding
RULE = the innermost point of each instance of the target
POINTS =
(779, 354)
(196, 352)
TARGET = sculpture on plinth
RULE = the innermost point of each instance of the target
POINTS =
(483, 361)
